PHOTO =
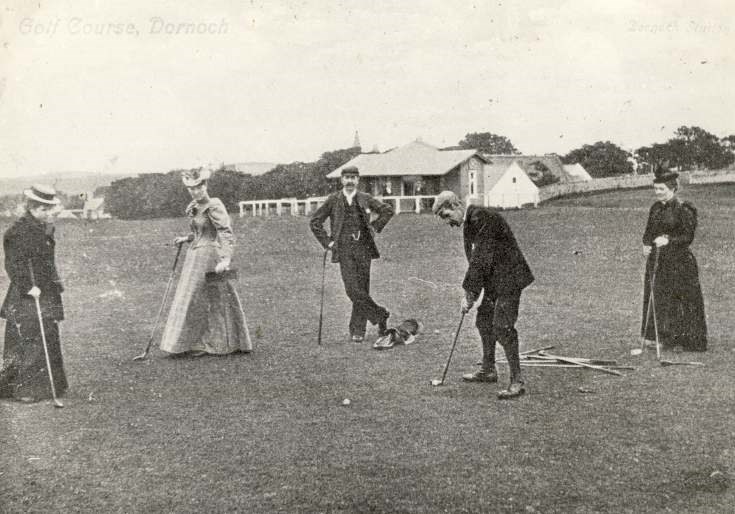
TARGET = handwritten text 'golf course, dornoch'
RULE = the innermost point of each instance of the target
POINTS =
(155, 26)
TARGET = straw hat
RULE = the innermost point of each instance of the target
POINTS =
(43, 194)
(192, 178)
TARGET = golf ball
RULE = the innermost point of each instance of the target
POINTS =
(346, 401)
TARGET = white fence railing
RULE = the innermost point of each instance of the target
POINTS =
(304, 207)
(294, 206)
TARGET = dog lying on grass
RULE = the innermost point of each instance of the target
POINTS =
(405, 333)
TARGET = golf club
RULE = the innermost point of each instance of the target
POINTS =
(143, 355)
(650, 307)
(671, 363)
(57, 403)
(653, 305)
(449, 359)
(321, 303)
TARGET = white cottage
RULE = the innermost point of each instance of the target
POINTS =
(508, 186)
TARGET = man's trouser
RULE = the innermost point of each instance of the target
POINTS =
(496, 319)
(354, 264)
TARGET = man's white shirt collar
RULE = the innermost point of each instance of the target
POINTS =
(349, 196)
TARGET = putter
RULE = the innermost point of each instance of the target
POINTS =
(143, 355)
(456, 337)
(321, 303)
(57, 403)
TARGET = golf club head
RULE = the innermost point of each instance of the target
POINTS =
(437, 382)
(141, 357)
(58, 404)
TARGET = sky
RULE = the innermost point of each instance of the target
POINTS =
(150, 86)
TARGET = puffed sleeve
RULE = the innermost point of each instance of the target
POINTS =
(687, 224)
(221, 221)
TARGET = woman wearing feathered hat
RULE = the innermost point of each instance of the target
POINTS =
(206, 315)
(29, 246)
(677, 309)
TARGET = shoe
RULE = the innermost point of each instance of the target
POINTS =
(383, 324)
(199, 353)
(515, 390)
(481, 376)
(357, 339)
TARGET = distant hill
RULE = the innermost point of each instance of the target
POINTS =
(251, 168)
(72, 182)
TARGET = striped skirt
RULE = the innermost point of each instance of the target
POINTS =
(205, 316)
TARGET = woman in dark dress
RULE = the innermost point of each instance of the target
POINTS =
(29, 245)
(677, 296)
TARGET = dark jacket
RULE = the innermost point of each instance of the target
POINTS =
(334, 209)
(31, 240)
(496, 263)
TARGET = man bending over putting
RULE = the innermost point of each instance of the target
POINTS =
(497, 267)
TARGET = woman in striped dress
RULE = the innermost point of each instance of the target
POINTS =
(206, 315)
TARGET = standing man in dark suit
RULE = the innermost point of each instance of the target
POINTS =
(29, 247)
(498, 268)
(353, 247)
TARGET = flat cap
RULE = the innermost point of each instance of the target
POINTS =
(443, 199)
(350, 170)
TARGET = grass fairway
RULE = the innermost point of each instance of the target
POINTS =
(267, 432)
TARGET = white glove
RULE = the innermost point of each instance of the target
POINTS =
(466, 305)
(181, 240)
(35, 292)
(221, 266)
(646, 250)
(661, 241)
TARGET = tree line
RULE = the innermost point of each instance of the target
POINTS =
(155, 195)
(163, 195)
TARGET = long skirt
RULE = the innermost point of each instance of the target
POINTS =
(677, 301)
(205, 316)
(24, 373)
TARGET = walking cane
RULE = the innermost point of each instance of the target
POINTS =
(57, 403)
(163, 304)
(456, 337)
(321, 306)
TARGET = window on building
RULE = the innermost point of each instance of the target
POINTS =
(473, 180)
(514, 180)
